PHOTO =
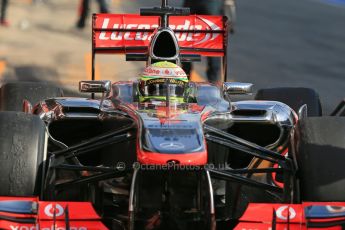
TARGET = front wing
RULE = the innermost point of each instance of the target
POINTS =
(19, 213)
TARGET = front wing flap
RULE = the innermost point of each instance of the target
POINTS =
(19, 213)
(308, 215)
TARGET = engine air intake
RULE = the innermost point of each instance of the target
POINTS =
(164, 47)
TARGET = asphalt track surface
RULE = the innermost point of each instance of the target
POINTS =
(291, 43)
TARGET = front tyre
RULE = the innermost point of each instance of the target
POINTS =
(320, 155)
(22, 152)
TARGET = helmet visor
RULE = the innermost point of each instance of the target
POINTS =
(159, 87)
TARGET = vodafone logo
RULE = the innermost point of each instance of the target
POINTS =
(199, 38)
(285, 211)
(37, 227)
(49, 210)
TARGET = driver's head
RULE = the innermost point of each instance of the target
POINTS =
(155, 79)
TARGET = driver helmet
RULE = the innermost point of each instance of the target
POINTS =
(154, 80)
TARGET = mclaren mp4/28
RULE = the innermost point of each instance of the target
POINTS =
(200, 162)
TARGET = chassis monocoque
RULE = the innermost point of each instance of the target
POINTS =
(167, 165)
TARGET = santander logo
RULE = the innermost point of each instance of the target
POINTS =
(198, 37)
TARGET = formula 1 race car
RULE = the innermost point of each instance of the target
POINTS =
(164, 152)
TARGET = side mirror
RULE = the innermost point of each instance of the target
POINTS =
(236, 88)
(95, 87)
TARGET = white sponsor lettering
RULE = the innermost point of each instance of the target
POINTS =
(49, 210)
(193, 37)
(117, 36)
(104, 26)
(284, 216)
(127, 35)
(182, 36)
(13, 227)
(144, 36)
(141, 36)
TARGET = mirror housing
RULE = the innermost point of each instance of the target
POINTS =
(237, 88)
(95, 87)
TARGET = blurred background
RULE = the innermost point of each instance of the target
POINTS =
(276, 43)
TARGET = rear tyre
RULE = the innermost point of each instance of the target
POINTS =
(293, 97)
(320, 158)
(13, 94)
(22, 151)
